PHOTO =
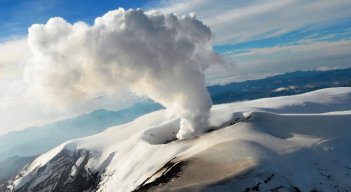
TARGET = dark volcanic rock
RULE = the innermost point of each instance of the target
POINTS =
(64, 173)
(171, 170)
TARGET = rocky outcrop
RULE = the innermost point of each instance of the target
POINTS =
(65, 172)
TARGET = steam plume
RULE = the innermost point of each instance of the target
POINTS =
(162, 56)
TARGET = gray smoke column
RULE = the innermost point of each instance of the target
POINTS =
(161, 56)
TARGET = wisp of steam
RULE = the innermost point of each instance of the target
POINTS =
(161, 56)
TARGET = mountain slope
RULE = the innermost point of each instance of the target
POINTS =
(36, 140)
(293, 143)
(12, 166)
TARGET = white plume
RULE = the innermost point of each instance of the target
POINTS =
(162, 56)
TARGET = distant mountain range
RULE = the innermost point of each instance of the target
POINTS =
(20, 147)
(12, 165)
(36, 140)
(281, 85)
(17, 146)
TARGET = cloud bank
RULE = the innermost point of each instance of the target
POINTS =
(10, 60)
(161, 56)
(240, 21)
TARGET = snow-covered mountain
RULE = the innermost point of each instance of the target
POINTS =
(22, 146)
(37, 140)
(292, 143)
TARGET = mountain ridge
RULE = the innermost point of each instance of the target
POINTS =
(266, 139)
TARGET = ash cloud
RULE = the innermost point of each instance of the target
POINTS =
(161, 56)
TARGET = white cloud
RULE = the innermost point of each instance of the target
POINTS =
(155, 55)
(237, 21)
(161, 56)
(260, 62)
(19, 108)
(13, 54)
(280, 89)
(328, 48)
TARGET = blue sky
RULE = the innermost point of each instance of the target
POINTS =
(329, 31)
(263, 38)
(257, 38)
(17, 15)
